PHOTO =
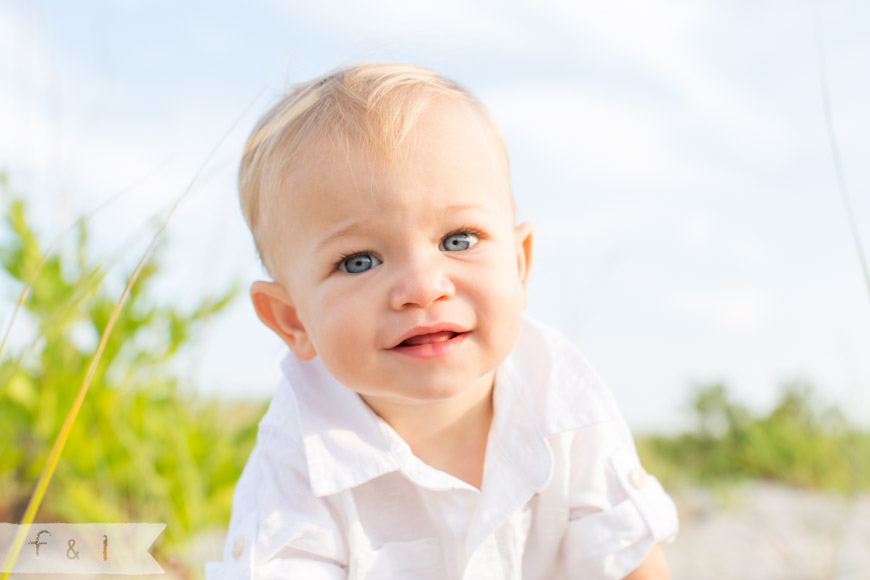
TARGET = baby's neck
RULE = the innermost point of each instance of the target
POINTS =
(460, 447)
(449, 435)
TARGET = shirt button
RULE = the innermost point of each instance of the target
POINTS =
(238, 546)
(637, 478)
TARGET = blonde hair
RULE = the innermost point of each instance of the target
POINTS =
(374, 106)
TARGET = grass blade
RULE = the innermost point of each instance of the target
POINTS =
(835, 152)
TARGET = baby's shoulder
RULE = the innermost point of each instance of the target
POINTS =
(559, 384)
(282, 414)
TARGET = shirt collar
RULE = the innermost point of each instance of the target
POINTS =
(344, 443)
(562, 388)
(545, 387)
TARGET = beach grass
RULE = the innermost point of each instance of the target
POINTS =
(140, 447)
(801, 442)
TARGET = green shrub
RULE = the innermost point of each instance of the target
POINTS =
(141, 450)
(800, 442)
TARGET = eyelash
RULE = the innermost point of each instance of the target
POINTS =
(474, 232)
(344, 256)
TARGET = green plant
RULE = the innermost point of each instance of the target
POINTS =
(800, 442)
(140, 450)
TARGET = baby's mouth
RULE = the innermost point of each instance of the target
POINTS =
(430, 338)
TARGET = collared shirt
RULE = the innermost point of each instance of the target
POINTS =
(332, 491)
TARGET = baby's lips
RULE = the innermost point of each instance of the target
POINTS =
(429, 338)
(429, 334)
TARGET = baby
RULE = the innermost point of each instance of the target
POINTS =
(423, 428)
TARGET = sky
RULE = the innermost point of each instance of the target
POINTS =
(673, 157)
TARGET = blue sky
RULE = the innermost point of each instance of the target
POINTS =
(672, 156)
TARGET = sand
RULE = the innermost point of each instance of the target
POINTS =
(764, 531)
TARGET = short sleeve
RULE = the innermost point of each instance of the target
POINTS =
(278, 528)
(612, 542)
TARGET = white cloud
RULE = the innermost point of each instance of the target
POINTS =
(697, 229)
(424, 21)
(598, 136)
(654, 33)
(667, 38)
(593, 227)
(21, 41)
(739, 308)
(70, 138)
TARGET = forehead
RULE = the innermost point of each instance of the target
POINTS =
(449, 153)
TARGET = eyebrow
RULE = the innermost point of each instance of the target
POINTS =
(360, 226)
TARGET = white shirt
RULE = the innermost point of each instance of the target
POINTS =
(332, 491)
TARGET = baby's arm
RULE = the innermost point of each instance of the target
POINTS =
(278, 529)
(654, 567)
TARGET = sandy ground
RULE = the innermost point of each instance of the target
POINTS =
(763, 531)
(756, 531)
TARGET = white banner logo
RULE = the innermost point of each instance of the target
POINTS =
(82, 548)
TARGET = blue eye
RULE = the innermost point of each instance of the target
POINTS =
(358, 263)
(458, 241)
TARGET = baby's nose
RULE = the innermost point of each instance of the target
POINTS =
(421, 286)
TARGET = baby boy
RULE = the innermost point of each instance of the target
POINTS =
(424, 428)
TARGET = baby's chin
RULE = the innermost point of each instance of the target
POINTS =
(429, 392)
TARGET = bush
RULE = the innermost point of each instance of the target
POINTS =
(801, 442)
(140, 450)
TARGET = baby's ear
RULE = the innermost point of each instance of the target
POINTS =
(523, 241)
(276, 310)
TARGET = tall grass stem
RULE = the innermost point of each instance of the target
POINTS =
(835, 151)
(82, 220)
(69, 422)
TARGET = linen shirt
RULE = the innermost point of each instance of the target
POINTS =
(331, 491)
